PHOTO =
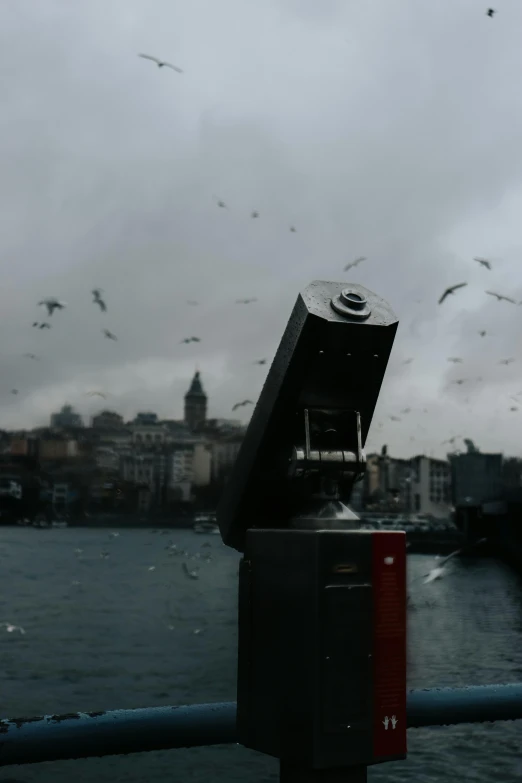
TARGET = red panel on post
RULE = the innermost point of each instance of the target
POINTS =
(389, 643)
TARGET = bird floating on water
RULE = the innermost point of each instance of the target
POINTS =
(97, 299)
(109, 335)
(352, 264)
(501, 297)
(241, 404)
(188, 572)
(451, 290)
(52, 305)
(161, 63)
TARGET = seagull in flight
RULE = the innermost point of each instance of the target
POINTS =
(97, 299)
(483, 333)
(96, 394)
(292, 229)
(30, 356)
(109, 335)
(483, 262)
(460, 381)
(260, 361)
(246, 301)
(455, 360)
(506, 361)
(241, 404)
(451, 441)
(490, 12)
(190, 340)
(394, 418)
(52, 305)
(451, 290)
(161, 63)
(254, 214)
(437, 572)
(354, 263)
(43, 325)
(14, 391)
(501, 297)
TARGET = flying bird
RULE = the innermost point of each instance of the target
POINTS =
(191, 340)
(455, 359)
(30, 356)
(354, 263)
(97, 394)
(506, 361)
(500, 297)
(292, 229)
(407, 361)
(483, 262)
(490, 12)
(451, 441)
(260, 361)
(246, 301)
(97, 299)
(254, 214)
(394, 418)
(161, 63)
(109, 335)
(483, 333)
(221, 204)
(241, 404)
(460, 381)
(513, 409)
(192, 302)
(14, 391)
(451, 290)
(43, 325)
(52, 305)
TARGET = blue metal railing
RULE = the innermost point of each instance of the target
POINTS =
(81, 735)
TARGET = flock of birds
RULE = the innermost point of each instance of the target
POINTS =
(451, 290)
(191, 572)
(53, 304)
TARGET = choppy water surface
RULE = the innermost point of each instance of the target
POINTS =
(131, 629)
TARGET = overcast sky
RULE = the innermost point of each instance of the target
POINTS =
(389, 130)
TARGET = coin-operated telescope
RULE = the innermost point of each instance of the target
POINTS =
(322, 603)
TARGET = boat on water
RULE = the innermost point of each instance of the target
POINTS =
(206, 523)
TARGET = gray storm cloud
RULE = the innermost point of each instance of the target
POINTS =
(385, 130)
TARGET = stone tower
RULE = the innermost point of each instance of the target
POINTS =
(195, 404)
